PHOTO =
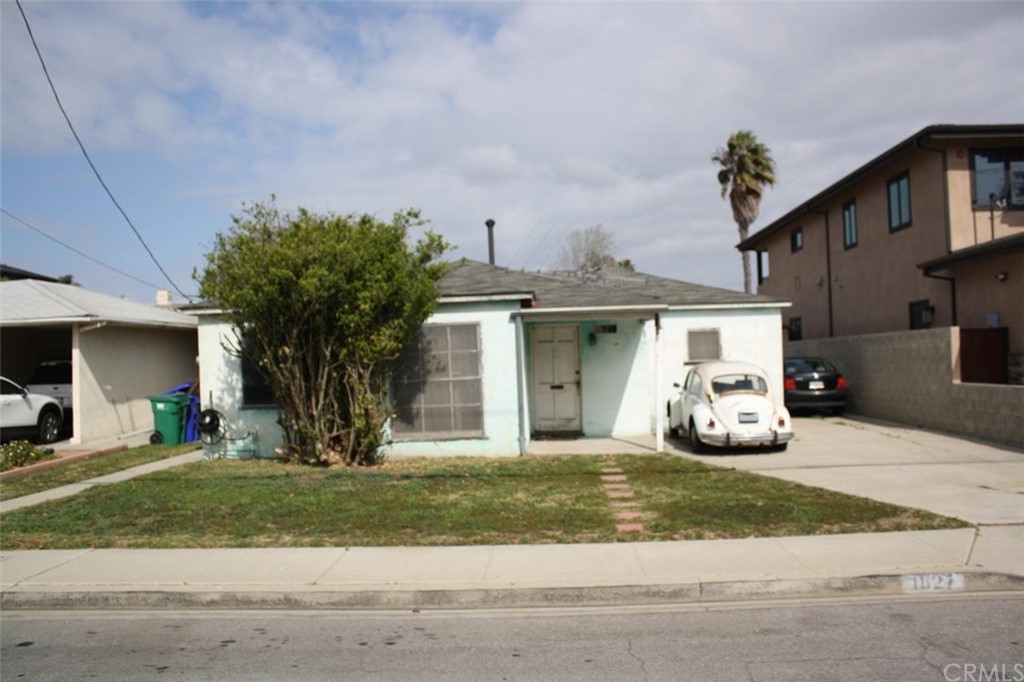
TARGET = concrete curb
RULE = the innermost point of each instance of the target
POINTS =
(306, 598)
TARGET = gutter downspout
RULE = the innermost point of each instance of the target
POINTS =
(949, 236)
(521, 386)
(952, 290)
(659, 428)
(828, 271)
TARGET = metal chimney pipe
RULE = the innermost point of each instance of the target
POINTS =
(490, 240)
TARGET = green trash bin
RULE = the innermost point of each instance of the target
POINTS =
(169, 418)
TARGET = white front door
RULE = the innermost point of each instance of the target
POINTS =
(556, 377)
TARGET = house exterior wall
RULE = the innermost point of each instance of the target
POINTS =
(617, 374)
(872, 284)
(616, 390)
(221, 377)
(251, 432)
(116, 368)
(982, 297)
(913, 378)
(499, 384)
(751, 335)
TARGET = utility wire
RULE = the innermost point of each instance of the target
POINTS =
(86, 154)
(73, 249)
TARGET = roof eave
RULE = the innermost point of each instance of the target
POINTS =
(733, 306)
(1000, 247)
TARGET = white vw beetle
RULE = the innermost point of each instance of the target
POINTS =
(728, 404)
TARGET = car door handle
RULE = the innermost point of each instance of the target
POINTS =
(556, 387)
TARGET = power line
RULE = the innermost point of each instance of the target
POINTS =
(73, 249)
(86, 154)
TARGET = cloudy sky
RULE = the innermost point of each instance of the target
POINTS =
(547, 117)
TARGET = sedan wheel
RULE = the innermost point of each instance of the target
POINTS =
(49, 427)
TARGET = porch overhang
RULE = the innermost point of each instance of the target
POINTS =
(631, 312)
(642, 313)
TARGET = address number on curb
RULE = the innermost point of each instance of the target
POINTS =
(933, 582)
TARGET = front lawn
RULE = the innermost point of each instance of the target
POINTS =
(450, 501)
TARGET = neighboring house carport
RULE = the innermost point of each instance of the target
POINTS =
(121, 351)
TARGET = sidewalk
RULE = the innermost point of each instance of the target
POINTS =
(942, 561)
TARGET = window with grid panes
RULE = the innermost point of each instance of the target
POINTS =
(437, 389)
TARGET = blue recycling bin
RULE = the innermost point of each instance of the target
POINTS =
(191, 416)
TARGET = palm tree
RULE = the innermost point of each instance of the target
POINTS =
(747, 167)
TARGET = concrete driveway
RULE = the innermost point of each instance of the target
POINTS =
(979, 483)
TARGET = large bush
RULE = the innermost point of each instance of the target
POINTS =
(325, 303)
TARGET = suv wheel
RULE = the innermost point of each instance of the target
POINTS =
(49, 426)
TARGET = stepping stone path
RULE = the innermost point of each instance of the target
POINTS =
(617, 488)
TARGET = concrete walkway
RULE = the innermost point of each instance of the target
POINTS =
(117, 477)
(988, 558)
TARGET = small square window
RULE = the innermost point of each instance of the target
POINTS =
(796, 239)
(922, 313)
(796, 328)
(703, 344)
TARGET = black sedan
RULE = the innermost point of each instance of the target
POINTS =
(814, 384)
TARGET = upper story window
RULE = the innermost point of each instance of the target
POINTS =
(899, 202)
(763, 267)
(437, 388)
(796, 239)
(850, 224)
(703, 344)
(997, 178)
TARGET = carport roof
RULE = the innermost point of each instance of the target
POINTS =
(28, 303)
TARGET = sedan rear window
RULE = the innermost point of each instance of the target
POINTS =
(734, 383)
(808, 366)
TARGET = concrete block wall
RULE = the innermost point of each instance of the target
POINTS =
(914, 378)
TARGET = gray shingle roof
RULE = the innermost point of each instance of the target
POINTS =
(31, 302)
(473, 278)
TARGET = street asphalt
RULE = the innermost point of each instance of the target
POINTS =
(882, 461)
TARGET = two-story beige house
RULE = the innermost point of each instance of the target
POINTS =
(930, 233)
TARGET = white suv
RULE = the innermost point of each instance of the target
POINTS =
(24, 413)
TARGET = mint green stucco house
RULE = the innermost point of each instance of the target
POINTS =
(509, 356)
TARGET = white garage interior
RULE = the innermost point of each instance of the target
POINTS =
(121, 351)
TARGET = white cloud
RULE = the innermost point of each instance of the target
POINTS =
(546, 117)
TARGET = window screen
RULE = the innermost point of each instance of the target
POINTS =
(437, 388)
(703, 344)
